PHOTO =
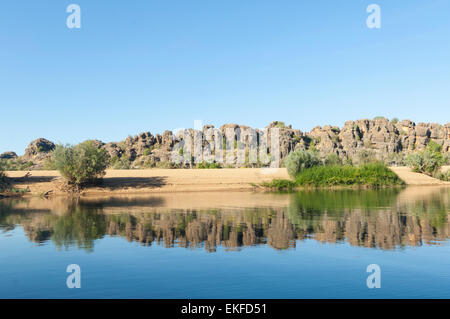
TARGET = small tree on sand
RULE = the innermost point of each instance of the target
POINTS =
(81, 164)
(429, 161)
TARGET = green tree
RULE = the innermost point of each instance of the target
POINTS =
(299, 160)
(429, 161)
(447, 158)
(80, 164)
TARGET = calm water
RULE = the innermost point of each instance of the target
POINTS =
(313, 244)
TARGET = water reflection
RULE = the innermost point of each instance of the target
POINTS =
(386, 219)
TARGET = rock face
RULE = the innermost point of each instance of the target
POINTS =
(8, 155)
(38, 151)
(39, 146)
(389, 141)
(381, 137)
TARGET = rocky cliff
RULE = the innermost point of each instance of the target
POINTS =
(387, 140)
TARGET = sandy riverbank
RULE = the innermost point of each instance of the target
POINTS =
(128, 182)
(411, 178)
(155, 180)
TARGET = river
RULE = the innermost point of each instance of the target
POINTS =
(310, 244)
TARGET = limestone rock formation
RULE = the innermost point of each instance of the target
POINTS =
(38, 151)
(387, 140)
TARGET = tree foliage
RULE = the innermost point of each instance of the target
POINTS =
(372, 174)
(428, 161)
(299, 160)
(80, 164)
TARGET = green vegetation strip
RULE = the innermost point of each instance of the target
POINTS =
(372, 174)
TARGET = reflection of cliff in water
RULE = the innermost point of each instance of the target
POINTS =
(383, 218)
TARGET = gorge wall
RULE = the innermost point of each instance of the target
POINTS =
(387, 140)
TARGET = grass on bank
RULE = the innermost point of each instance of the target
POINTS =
(371, 174)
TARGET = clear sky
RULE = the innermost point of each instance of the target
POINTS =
(151, 65)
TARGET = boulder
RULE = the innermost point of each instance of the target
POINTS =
(38, 151)
(113, 150)
(8, 155)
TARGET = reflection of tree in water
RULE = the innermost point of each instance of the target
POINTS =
(79, 226)
(371, 218)
(362, 218)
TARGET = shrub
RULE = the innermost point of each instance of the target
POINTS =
(280, 184)
(432, 162)
(347, 161)
(415, 161)
(373, 174)
(122, 162)
(395, 120)
(280, 124)
(366, 157)
(168, 164)
(447, 158)
(332, 159)
(49, 164)
(433, 147)
(80, 164)
(443, 176)
(299, 160)
(14, 164)
(207, 165)
(335, 130)
(377, 174)
(429, 161)
(143, 162)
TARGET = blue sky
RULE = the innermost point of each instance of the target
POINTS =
(139, 66)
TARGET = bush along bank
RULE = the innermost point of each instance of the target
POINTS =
(430, 161)
(308, 170)
(80, 165)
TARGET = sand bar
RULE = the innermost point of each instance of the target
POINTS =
(128, 182)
